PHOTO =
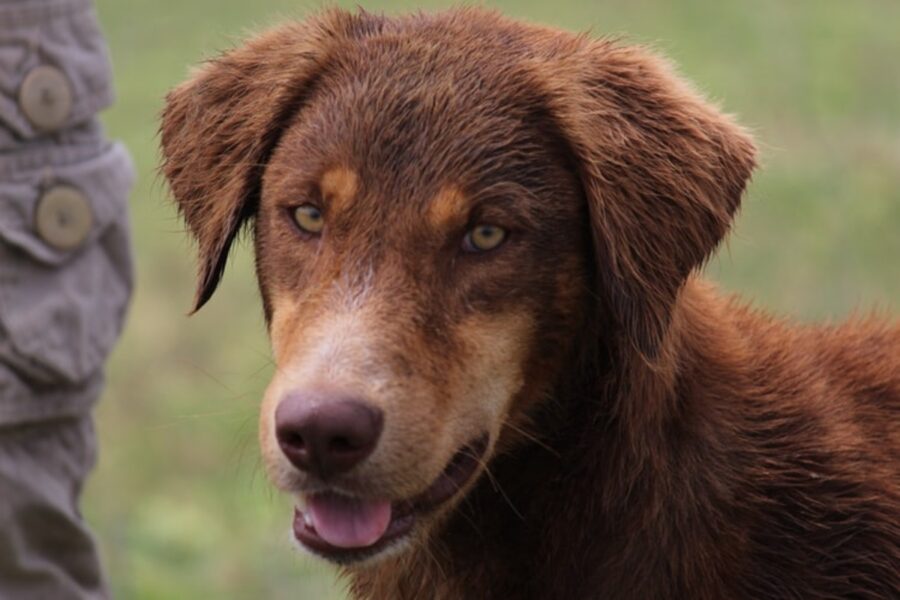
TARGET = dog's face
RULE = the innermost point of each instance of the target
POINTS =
(441, 205)
(420, 268)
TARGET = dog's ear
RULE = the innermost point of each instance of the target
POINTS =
(663, 173)
(220, 127)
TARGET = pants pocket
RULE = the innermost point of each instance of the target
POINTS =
(65, 266)
(54, 69)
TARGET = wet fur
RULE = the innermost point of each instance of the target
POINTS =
(666, 442)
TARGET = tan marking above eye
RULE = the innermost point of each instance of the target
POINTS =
(309, 218)
(484, 237)
(339, 187)
(448, 208)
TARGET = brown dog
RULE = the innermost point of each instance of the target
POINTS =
(498, 376)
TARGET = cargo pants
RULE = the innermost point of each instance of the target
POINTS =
(65, 282)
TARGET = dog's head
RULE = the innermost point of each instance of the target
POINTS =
(442, 205)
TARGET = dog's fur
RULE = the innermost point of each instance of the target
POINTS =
(648, 437)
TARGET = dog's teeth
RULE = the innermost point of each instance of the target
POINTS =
(307, 520)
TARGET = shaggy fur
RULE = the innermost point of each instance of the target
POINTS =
(649, 437)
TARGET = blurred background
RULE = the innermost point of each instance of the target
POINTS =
(179, 499)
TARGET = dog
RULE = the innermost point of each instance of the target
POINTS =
(499, 374)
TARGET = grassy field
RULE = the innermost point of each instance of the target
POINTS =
(179, 501)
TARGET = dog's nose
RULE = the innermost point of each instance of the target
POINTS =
(326, 435)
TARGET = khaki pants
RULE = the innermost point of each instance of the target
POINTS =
(65, 280)
(46, 550)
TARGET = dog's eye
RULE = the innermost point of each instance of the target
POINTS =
(482, 238)
(309, 218)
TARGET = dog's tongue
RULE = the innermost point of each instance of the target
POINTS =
(349, 522)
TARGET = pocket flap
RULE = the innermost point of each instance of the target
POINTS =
(50, 47)
(100, 180)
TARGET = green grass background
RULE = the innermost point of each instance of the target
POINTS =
(179, 501)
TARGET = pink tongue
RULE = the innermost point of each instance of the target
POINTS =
(349, 522)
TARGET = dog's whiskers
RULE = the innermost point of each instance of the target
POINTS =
(495, 483)
(530, 436)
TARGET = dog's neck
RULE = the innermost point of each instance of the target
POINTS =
(567, 499)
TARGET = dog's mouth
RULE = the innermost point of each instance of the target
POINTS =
(348, 529)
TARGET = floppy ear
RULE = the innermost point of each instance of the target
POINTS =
(220, 127)
(663, 173)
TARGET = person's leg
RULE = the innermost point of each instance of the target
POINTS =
(46, 550)
(65, 280)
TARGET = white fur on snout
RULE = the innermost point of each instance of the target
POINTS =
(337, 353)
(351, 291)
(340, 354)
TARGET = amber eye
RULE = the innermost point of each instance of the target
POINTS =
(482, 238)
(309, 218)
